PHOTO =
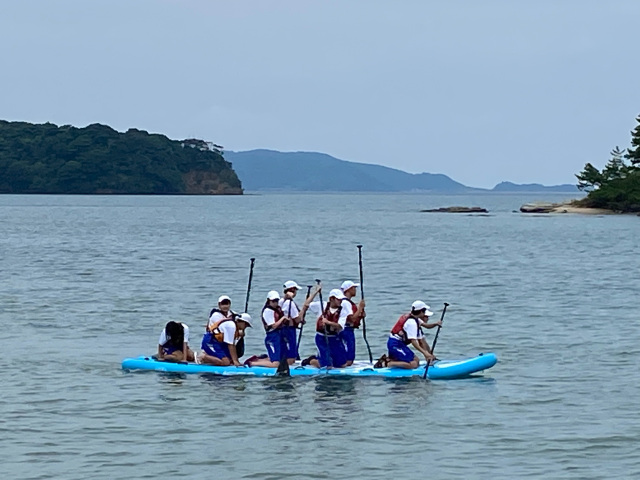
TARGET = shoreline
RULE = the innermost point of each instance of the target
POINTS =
(567, 207)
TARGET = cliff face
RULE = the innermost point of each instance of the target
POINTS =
(99, 160)
(199, 182)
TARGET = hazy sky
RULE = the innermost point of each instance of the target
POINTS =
(482, 91)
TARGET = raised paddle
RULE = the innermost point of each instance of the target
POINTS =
(240, 344)
(435, 339)
(302, 325)
(364, 325)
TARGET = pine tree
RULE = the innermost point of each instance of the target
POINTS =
(633, 153)
(590, 178)
(616, 167)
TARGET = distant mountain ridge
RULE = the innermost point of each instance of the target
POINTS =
(270, 170)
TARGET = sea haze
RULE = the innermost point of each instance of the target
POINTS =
(90, 280)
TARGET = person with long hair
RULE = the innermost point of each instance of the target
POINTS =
(173, 344)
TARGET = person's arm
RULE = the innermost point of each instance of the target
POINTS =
(307, 304)
(419, 346)
(431, 325)
(333, 325)
(360, 311)
(160, 352)
(234, 355)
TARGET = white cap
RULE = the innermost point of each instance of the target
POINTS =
(420, 305)
(246, 318)
(346, 285)
(273, 295)
(291, 284)
(222, 298)
(336, 292)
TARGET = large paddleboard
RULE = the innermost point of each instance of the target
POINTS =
(441, 370)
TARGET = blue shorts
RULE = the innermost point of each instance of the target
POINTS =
(214, 348)
(399, 351)
(348, 337)
(290, 337)
(169, 350)
(335, 355)
(273, 342)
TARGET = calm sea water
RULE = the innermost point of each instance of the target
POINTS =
(87, 281)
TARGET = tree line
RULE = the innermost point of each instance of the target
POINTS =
(45, 158)
(617, 185)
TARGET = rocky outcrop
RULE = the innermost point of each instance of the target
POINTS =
(540, 207)
(201, 182)
(457, 210)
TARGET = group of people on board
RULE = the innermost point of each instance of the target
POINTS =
(282, 319)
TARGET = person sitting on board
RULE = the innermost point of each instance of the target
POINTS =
(356, 314)
(331, 351)
(224, 329)
(173, 345)
(273, 319)
(408, 331)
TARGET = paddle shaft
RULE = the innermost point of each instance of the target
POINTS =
(302, 325)
(364, 324)
(326, 337)
(435, 339)
(246, 303)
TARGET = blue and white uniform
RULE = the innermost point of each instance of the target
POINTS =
(168, 350)
(290, 332)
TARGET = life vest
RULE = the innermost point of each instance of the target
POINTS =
(332, 317)
(354, 321)
(217, 334)
(289, 323)
(398, 328)
(277, 315)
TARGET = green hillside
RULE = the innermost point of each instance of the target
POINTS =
(45, 158)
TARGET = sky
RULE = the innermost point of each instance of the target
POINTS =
(481, 91)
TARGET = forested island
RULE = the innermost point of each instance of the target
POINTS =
(45, 158)
(617, 186)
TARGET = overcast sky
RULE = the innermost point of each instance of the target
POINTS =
(482, 91)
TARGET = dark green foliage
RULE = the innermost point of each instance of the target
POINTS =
(617, 186)
(97, 159)
(633, 153)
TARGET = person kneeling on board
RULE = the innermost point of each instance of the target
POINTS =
(173, 345)
(331, 350)
(273, 320)
(354, 319)
(224, 330)
(408, 331)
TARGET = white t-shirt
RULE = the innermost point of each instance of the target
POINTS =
(411, 328)
(285, 304)
(269, 316)
(217, 316)
(228, 330)
(163, 335)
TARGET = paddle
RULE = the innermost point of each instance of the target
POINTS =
(435, 339)
(302, 325)
(283, 365)
(240, 344)
(364, 325)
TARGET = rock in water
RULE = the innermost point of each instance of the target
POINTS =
(458, 210)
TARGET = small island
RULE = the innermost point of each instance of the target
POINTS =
(47, 159)
(614, 189)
